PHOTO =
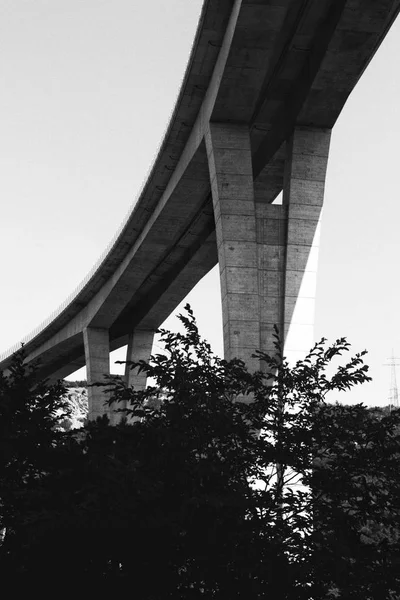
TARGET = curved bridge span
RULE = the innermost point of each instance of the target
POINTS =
(265, 82)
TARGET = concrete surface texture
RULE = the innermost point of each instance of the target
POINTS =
(264, 86)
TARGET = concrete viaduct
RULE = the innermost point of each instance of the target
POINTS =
(265, 82)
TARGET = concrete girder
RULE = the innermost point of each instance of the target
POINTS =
(173, 226)
(64, 353)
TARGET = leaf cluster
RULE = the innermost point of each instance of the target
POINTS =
(218, 483)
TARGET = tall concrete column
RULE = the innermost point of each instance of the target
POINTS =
(231, 173)
(267, 253)
(303, 196)
(271, 252)
(97, 354)
(140, 344)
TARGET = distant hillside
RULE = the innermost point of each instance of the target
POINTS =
(75, 384)
(78, 402)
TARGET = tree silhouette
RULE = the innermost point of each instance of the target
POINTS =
(218, 484)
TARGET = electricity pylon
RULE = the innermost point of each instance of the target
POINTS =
(393, 391)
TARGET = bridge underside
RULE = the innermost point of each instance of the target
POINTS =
(265, 84)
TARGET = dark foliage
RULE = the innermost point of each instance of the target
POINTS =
(219, 484)
(30, 416)
(357, 510)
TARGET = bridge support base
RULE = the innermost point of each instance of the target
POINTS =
(267, 253)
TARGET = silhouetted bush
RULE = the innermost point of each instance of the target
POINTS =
(219, 484)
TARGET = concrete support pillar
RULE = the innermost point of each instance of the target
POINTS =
(267, 253)
(271, 251)
(303, 196)
(140, 344)
(97, 354)
(231, 173)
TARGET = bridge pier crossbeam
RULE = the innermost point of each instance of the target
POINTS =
(267, 253)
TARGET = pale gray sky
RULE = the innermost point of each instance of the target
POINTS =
(87, 91)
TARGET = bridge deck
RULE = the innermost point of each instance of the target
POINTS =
(270, 65)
